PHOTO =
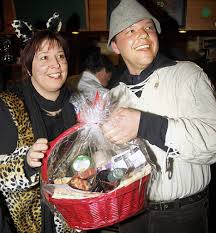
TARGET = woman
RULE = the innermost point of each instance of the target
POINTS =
(39, 115)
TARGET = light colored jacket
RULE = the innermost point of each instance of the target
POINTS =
(89, 85)
(183, 94)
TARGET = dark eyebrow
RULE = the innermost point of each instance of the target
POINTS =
(61, 51)
(45, 52)
(40, 53)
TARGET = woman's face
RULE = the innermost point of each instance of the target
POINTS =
(49, 69)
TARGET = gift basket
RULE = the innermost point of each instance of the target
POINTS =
(90, 181)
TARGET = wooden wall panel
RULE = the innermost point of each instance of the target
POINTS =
(97, 15)
(9, 14)
(201, 15)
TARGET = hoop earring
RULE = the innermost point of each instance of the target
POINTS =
(29, 74)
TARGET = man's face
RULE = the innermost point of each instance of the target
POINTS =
(138, 45)
(103, 76)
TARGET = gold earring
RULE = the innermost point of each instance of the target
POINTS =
(29, 74)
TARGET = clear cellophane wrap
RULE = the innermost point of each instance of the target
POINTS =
(76, 158)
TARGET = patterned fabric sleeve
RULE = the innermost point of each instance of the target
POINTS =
(12, 175)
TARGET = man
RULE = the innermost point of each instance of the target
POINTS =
(97, 73)
(171, 105)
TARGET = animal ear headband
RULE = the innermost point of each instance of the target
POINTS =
(24, 30)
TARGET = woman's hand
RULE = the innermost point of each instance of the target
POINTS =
(36, 152)
(122, 125)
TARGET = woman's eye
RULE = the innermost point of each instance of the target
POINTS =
(61, 56)
(43, 58)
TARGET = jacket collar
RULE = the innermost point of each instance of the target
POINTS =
(88, 76)
(160, 61)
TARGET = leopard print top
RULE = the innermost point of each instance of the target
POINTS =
(22, 195)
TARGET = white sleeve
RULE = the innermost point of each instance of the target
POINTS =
(194, 135)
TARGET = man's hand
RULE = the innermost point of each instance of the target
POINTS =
(122, 125)
(36, 152)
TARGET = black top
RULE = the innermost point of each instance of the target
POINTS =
(44, 125)
(9, 135)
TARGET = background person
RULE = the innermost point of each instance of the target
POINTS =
(171, 105)
(96, 75)
(40, 113)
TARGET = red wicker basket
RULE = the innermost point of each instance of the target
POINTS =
(101, 211)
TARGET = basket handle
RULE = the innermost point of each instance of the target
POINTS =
(52, 144)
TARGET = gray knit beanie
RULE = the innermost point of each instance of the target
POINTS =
(126, 14)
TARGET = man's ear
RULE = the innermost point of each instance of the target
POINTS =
(115, 47)
(100, 74)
